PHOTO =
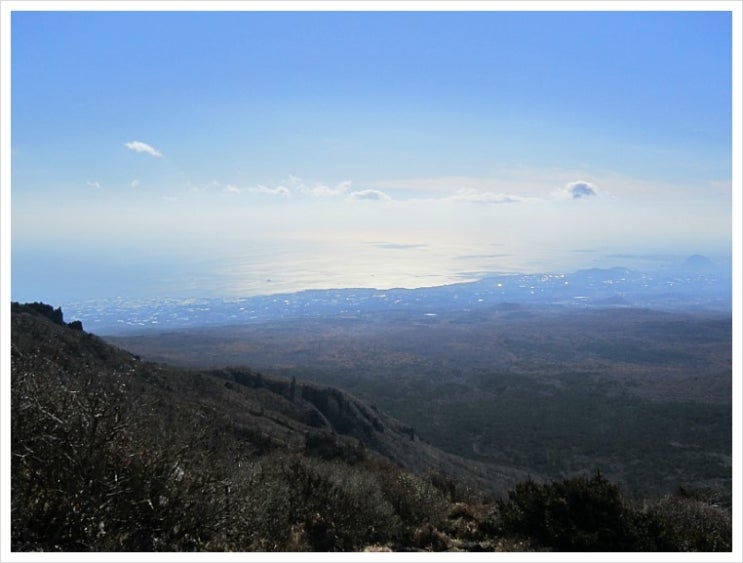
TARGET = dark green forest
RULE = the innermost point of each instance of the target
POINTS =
(113, 453)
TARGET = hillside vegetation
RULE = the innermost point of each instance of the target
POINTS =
(111, 453)
(644, 396)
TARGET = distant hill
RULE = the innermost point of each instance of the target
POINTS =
(111, 453)
(699, 263)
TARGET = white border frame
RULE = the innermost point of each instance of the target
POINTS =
(7, 7)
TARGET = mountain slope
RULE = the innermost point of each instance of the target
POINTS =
(110, 453)
(274, 412)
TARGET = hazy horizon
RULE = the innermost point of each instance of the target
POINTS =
(236, 154)
(152, 281)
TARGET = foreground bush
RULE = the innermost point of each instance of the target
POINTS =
(293, 503)
(687, 524)
(579, 514)
(93, 469)
(98, 467)
(590, 514)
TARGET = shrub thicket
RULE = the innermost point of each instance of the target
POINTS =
(92, 470)
(99, 467)
(680, 523)
(590, 514)
(580, 514)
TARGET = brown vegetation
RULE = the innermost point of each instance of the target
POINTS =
(110, 453)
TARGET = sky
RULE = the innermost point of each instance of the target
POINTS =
(229, 154)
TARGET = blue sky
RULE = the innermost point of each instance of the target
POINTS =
(191, 154)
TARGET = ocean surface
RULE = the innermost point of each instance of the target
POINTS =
(64, 275)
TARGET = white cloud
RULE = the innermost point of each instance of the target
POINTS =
(134, 184)
(295, 182)
(322, 190)
(281, 191)
(232, 189)
(474, 196)
(516, 182)
(139, 146)
(520, 183)
(92, 184)
(578, 190)
(297, 186)
(370, 195)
